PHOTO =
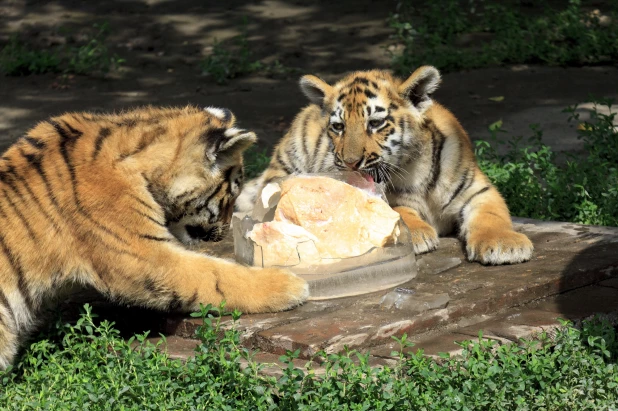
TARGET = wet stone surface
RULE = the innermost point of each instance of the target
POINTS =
(450, 298)
(407, 300)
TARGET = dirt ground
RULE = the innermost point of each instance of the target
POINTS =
(163, 42)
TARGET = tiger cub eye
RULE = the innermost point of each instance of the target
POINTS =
(376, 123)
(337, 126)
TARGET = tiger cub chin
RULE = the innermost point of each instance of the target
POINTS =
(392, 129)
(111, 201)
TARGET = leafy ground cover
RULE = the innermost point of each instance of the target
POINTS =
(537, 184)
(85, 53)
(87, 365)
(234, 58)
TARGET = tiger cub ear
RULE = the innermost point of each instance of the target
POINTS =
(232, 142)
(315, 89)
(419, 86)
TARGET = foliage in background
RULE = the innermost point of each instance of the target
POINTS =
(235, 59)
(88, 56)
(17, 59)
(536, 184)
(256, 160)
(465, 34)
(88, 366)
(226, 63)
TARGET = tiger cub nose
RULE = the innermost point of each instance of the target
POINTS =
(352, 163)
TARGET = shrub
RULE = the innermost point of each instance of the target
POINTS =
(88, 366)
(256, 160)
(226, 63)
(536, 184)
(89, 56)
(434, 33)
(235, 59)
(16, 59)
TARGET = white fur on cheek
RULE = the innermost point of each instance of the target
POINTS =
(233, 131)
(217, 112)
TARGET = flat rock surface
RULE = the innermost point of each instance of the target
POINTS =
(567, 257)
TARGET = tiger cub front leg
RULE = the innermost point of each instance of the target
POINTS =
(487, 230)
(169, 277)
(424, 236)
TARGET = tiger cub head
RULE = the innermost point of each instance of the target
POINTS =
(199, 190)
(372, 117)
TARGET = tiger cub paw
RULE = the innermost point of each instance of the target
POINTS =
(424, 237)
(499, 247)
(279, 290)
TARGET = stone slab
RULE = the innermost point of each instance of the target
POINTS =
(250, 325)
(177, 348)
(532, 317)
(612, 282)
(515, 327)
(567, 257)
(354, 328)
(267, 364)
(582, 303)
(445, 343)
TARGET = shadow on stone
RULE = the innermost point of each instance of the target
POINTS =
(583, 301)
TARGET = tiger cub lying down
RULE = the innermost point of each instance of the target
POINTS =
(392, 129)
(103, 200)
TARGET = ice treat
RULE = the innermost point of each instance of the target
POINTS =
(279, 241)
(320, 220)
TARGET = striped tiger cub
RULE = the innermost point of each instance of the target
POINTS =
(112, 202)
(393, 130)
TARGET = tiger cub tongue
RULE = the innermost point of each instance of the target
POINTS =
(363, 181)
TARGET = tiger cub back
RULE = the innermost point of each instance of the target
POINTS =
(392, 129)
(112, 201)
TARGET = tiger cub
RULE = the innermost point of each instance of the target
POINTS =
(110, 201)
(393, 130)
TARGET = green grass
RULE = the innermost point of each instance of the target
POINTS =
(506, 32)
(537, 184)
(88, 366)
(89, 56)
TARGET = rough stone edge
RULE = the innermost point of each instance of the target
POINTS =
(531, 335)
(272, 367)
(607, 234)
